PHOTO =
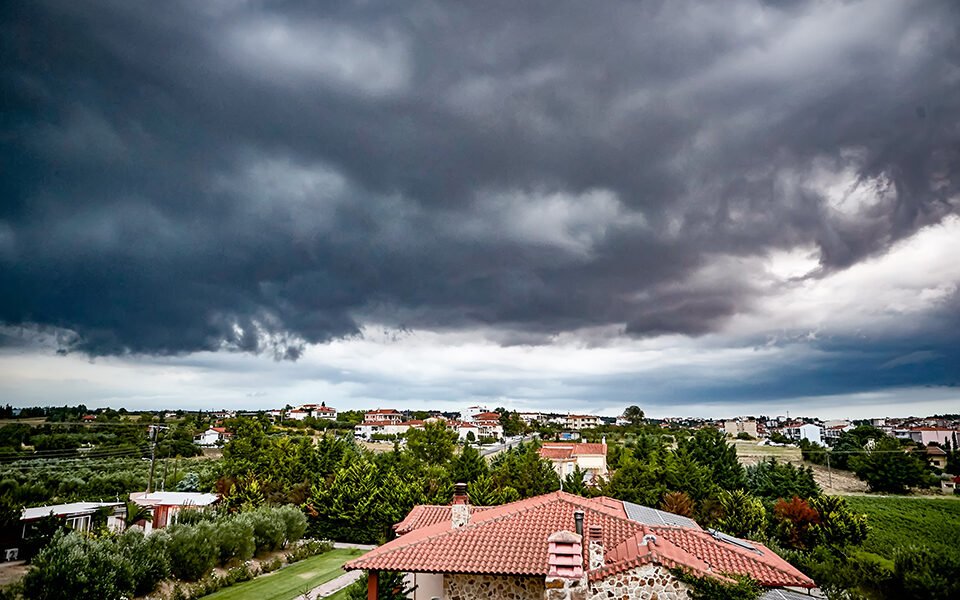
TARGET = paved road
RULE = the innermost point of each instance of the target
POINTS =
(491, 451)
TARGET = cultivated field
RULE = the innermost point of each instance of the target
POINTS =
(898, 521)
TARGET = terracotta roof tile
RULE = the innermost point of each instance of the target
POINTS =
(763, 565)
(425, 515)
(509, 539)
(512, 540)
(572, 449)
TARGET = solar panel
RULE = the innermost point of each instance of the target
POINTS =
(652, 516)
(733, 540)
(781, 594)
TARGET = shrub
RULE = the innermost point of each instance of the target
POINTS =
(80, 568)
(309, 548)
(294, 522)
(268, 566)
(794, 523)
(235, 539)
(708, 588)
(679, 503)
(148, 556)
(269, 530)
(743, 514)
(193, 550)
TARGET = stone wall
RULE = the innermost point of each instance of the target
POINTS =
(484, 587)
(648, 582)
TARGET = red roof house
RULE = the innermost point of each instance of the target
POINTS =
(571, 546)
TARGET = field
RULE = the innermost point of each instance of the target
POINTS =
(902, 521)
(833, 481)
(292, 581)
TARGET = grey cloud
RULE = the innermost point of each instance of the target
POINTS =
(257, 176)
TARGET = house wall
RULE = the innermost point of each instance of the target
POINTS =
(594, 463)
(428, 585)
(483, 587)
(641, 583)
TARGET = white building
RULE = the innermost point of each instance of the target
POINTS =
(581, 421)
(472, 411)
(76, 515)
(807, 431)
(368, 429)
(215, 436)
(324, 412)
(383, 414)
(530, 417)
(297, 414)
(591, 458)
(166, 505)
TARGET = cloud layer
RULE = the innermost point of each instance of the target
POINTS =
(243, 175)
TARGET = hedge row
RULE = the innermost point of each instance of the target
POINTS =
(111, 566)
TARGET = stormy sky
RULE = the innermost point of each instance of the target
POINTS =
(546, 205)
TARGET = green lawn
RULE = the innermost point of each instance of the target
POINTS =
(896, 522)
(290, 582)
(341, 595)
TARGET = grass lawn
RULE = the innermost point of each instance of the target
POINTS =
(896, 522)
(290, 582)
(341, 595)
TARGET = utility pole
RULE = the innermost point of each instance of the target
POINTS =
(829, 472)
(154, 433)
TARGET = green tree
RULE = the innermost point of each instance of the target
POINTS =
(484, 492)
(193, 550)
(522, 469)
(390, 586)
(772, 479)
(511, 422)
(709, 447)
(134, 513)
(574, 483)
(887, 468)
(633, 414)
(837, 524)
(81, 568)
(468, 465)
(709, 588)
(743, 515)
(919, 572)
(640, 482)
(433, 444)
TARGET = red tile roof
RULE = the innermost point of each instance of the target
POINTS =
(644, 548)
(382, 411)
(560, 450)
(505, 540)
(763, 565)
(512, 540)
(425, 515)
(487, 416)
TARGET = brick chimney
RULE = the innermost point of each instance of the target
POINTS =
(460, 510)
(595, 547)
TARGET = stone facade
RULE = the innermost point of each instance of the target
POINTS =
(481, 587)
(566, 588)
(649, 582)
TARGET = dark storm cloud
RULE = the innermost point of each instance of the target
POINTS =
(254, 176)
